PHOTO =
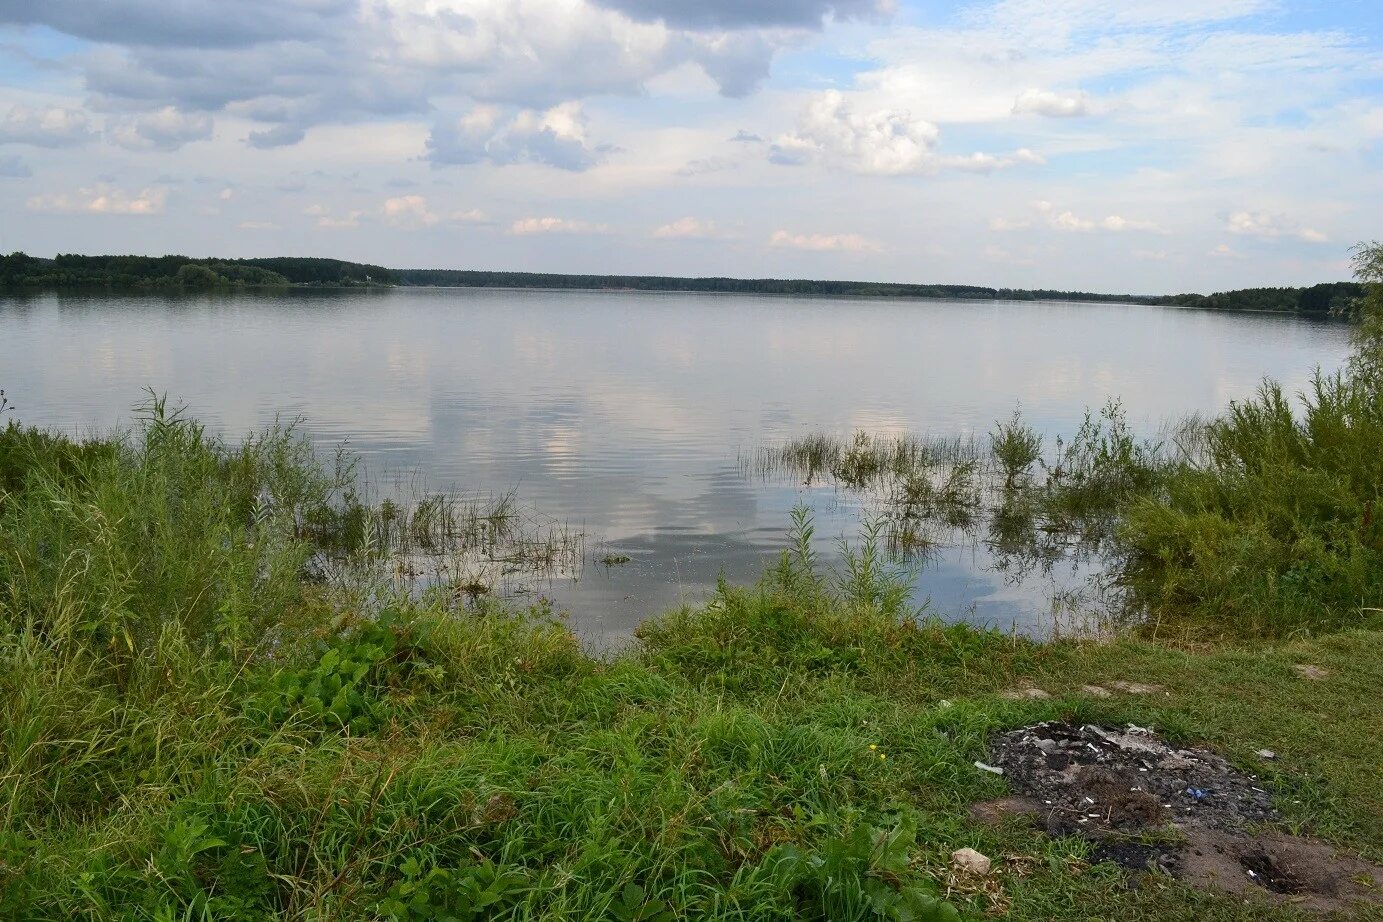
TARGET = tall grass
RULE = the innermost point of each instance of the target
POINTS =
(196, 726)
(1262, 521)
(1273, 530)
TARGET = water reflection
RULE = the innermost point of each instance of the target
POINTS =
(624, 414)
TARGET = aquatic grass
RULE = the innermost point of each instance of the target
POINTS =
(424, 541)
(1016, 446)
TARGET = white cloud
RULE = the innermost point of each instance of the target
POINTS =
(556, 137)
(408, 211)
(412, 212)
(690, 228)
(164, 129)
(257, 225)
(1067, 220)
(101, 199)
(1262, 224)
(853, 243)
(1048, 103)
(887, 141)
(526, 226)
(350, 220)
(51, 126)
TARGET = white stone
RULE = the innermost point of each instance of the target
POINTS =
(970, 861)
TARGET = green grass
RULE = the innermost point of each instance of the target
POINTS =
(194, 727)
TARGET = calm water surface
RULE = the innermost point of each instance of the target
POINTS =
(625, 414)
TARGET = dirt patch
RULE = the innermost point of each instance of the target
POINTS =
(1310, 671)
(1151, 806)
(1287, 869)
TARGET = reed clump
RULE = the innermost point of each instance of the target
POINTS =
(1262, 521)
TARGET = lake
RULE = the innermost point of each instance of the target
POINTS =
(629, 415)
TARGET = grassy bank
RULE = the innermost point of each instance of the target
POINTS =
(198, 725)
(216, 703)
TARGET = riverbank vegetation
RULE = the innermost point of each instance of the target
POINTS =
(200, 724)
(213, 705)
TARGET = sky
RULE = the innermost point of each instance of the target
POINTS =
(1143, 146)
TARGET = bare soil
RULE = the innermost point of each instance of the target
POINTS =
(1150, 806)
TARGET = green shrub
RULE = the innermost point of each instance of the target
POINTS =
(1276, 528)
(1016, 447)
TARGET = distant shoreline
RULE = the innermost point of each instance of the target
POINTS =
(176, 274)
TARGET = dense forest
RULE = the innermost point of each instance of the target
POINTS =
(181, 272)
(1326, 298)
(176, 273)
(462, 278)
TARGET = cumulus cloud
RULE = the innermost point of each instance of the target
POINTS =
(101, 199)
(190, 23)
(528, 226)
(1067, 220)
(411, 212)
(12, 166)
(295, 64)
(988, 163)
(690, 228)
(853, 243)
(284, 135)
(744, 14)
(408, 211)
(52, 126)
(554, 138)
(884, 142)
(1046, 102)
(1262, 224)
(164, 129)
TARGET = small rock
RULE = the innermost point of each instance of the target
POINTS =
(1027, 693)
(1308, 671)
(1097, 691)
(1136, 688)
(1266, 754)
(969, 861)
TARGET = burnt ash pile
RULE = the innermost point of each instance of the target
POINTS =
(1123, 789)
(1093, 780)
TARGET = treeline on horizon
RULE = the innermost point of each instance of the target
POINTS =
(19, 270)
(181, 273)
(470, 278)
